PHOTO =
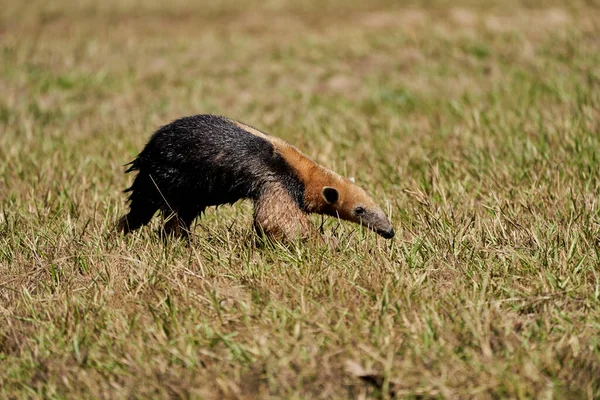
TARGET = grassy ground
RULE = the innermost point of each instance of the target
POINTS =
(476, 124)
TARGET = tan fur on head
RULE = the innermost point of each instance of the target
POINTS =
(345, 200)
(349, 197)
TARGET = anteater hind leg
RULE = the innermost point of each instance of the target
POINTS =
(279, 217)
(177, 223)
(140, 213)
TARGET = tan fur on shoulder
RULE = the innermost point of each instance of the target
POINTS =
(314, 176)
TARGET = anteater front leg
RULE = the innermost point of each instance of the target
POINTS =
(278, 216)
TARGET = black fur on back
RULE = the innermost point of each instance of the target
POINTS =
(204, 160)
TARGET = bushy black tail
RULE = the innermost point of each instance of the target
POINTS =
(134, 165)
(143, 202)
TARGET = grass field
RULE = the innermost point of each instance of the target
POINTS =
(476, 125)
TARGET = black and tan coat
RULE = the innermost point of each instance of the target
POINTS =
(207, 160)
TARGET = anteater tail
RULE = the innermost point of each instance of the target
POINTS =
(133, 166)
(142, 200)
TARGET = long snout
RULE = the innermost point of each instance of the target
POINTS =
(387, 234)
(379, 223)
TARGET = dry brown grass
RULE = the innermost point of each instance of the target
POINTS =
(475, 124)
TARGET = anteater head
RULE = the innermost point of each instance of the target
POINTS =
(349, 202)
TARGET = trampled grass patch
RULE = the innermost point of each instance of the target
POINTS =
(475, 124)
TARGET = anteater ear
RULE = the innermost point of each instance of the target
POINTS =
(330, 194)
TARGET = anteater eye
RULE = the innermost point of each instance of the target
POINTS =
(359, 211)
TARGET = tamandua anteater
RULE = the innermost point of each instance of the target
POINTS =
(207, 160)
